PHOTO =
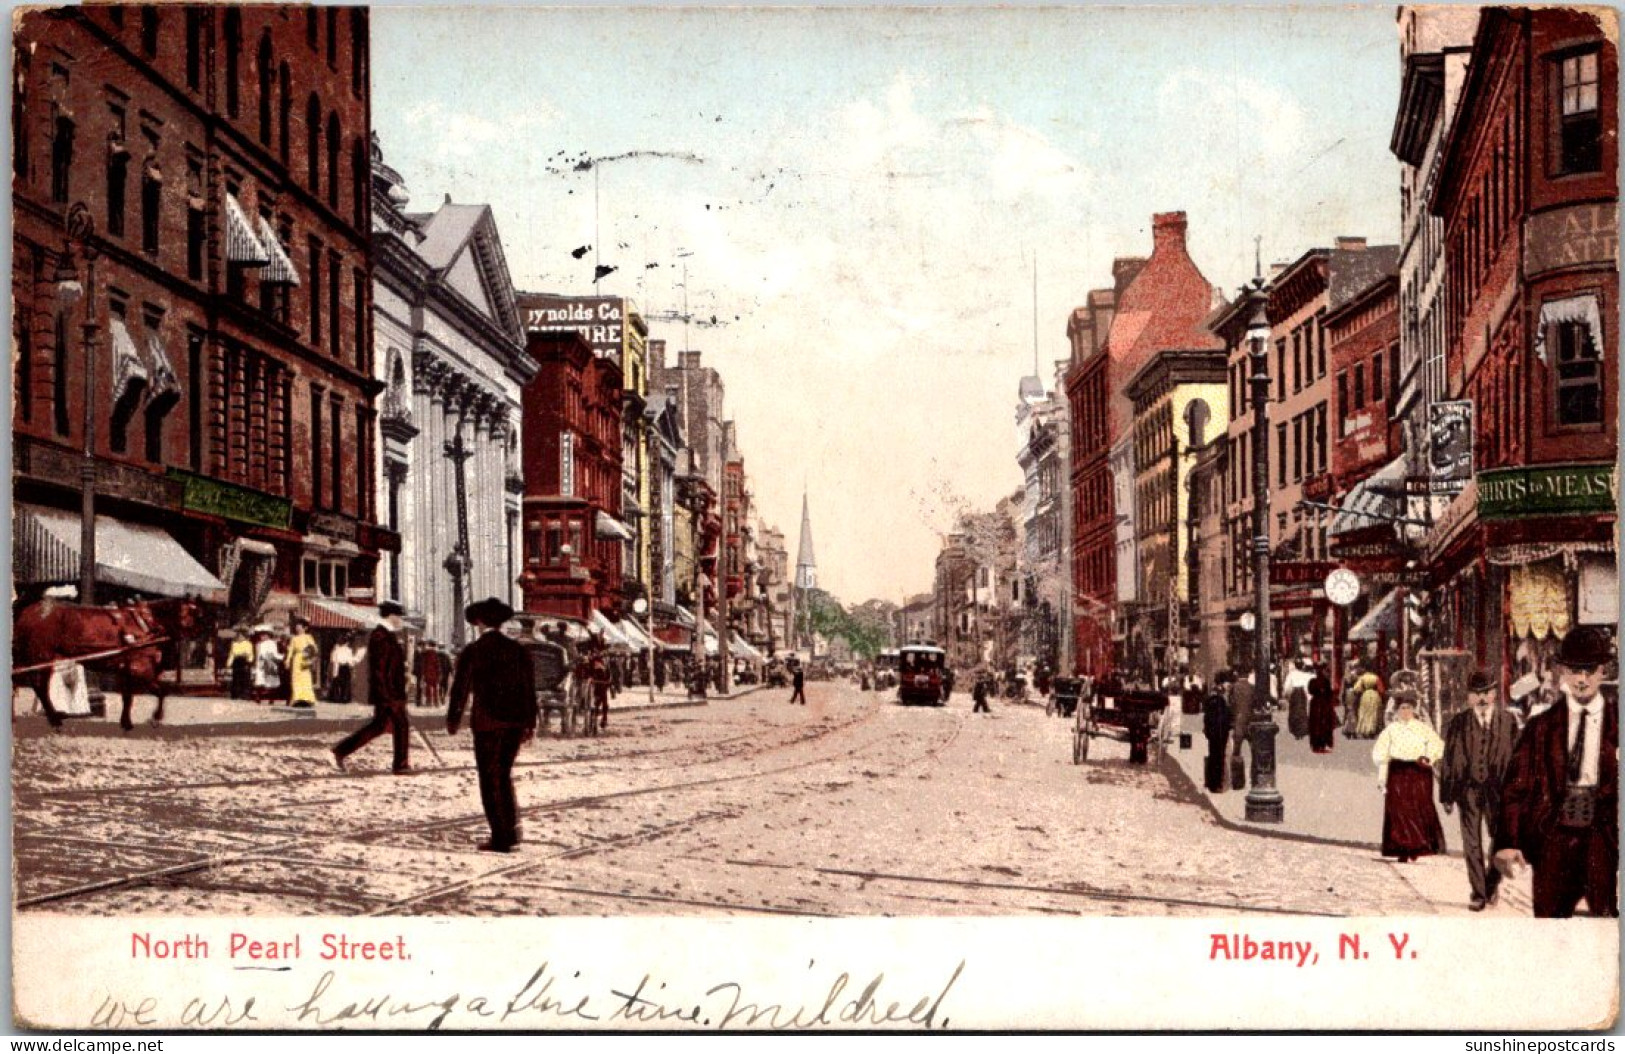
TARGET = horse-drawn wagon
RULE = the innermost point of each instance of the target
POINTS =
(1127, 715)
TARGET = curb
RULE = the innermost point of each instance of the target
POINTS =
(1189, 782)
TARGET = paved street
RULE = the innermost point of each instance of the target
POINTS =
(849, 806)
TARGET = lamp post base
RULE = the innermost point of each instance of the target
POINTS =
(1265, 806)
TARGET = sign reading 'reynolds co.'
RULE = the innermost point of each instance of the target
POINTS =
(597, 318)
(1546, 490)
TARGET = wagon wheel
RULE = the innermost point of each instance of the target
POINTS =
(1080, 746)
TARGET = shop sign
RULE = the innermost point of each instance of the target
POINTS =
(1578, 236)
(1546, 490)
(332, 526)
(597, 318)
(1450, 444)
(1300, 572)
(231, 502)
(1318, 488)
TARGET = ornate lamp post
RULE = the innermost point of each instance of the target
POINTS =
(81, 234)
(1264, 801)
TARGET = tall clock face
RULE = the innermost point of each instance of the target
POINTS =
(1342, 587)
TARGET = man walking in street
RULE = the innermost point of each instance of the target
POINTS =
(1241, 723)
(1216, 727)
(798, 682)
(1560, 803)
(1478, 745)
(386, 689)
(979, 689)
(495, 672)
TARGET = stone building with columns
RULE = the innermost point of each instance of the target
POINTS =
(451, 355)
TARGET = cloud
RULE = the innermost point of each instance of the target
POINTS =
(458, 134)
(1233, 115)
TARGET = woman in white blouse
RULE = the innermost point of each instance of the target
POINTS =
(1405, 754)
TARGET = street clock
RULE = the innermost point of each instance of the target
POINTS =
(1342, 587)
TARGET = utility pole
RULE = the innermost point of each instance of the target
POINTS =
(458, 562)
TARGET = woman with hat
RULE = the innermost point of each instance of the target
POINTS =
(267, 665)
(303, 662)
(1405, 754)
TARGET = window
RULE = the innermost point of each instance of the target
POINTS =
(360, 176)
(24, 326)
(333, 305)
(1318, 335)
(194, 401)
(313, 143)
(234, 47)
(1581, 124)
(149, 31)
(265, 71)
(1376, 377)
(284, 113)
(61, 159)
(335, 450)
(358, 51)
(310, 26)
(1297, 448)
(1359, 387)
(1280, 457)
(363, 360)
(118, 174)
(1579, 374)
(333, 37)
(335, 140)
(194, 48)
(21, 60)
(1342, 405)
(316, 465)
(152, 188)
(315, 292)
(1297, 360)
(1280, 370)
(1393, 375)
(194, 241)
(1320, 419)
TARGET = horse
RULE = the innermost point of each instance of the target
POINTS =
(138, 641)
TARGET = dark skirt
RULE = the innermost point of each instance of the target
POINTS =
(1410, 823)
(1322, 721)
(1297, 721)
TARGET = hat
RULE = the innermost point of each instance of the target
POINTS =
(1480, 681)
(488, 612)
(1404, 697)
(388, 608)
(1584, 646)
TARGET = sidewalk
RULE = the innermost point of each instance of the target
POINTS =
(1333, 798)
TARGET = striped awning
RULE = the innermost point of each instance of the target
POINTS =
(281, 269)
(633, 632)
(164, 388)
(243, 247)
(608, 630)
(325, 613)
(129, 370)
(609, 528)
(1382, 618)
(132, 555)
(742, 647)
(1374, 501)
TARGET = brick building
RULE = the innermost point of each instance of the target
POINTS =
(573, 538)
(215, 162)
(1528, 194)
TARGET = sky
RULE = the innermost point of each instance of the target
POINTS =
(860, 198)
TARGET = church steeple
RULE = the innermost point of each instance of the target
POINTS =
(806, 563)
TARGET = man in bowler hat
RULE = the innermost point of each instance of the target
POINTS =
(1560, 804)
(1216, 728)
(386, 681)
(496, 673)
(1478, 744)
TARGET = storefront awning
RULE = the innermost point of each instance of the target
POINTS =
(1375, 500)
(243, 247)
(326, 613)
(610, 528)
(132, 555)
(743, 649)
(606, 629)
(280, 270)
(1382, 618)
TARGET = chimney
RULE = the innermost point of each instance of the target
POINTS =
(1349, 244)
(657, 357)
(1167, 229)
(1277, 267)
(1124, 268)
(689, 360)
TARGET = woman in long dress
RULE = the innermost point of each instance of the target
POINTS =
(1405, 755)
(1370, 688)
(303, 662)
(1322, 712)
(267, 666)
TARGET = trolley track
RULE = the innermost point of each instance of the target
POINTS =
(168, 873)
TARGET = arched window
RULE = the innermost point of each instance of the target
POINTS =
(358, 51)
(334, 139)
(266, 66)
(234, 47)
(61, 158)
(313, 144)
(285, 104)
(359, 181)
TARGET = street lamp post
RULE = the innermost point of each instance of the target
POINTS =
(641, 606)
(81, 233)
(1264, 801)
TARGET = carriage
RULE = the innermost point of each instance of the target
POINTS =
(1126, 715)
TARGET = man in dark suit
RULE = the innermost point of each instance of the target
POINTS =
(1216, 727)
(1478, 745)
(798, 682)
(386, 688)
(1560, 805)
(496, 672)
(1241, 724)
